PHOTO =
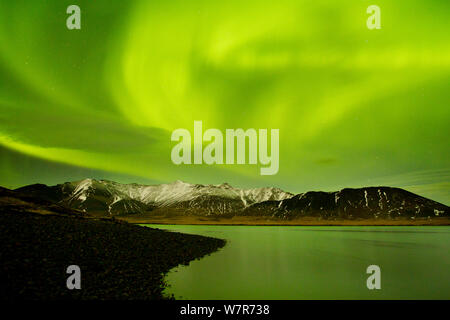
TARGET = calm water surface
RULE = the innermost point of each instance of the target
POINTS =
(284, 262)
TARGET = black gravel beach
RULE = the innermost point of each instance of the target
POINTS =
(118, 260)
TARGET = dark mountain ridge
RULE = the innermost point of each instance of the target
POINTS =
(106, 198)
(370, 202)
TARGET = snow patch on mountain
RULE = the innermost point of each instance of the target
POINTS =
(171, 194)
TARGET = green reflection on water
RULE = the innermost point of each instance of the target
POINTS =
(285, 262)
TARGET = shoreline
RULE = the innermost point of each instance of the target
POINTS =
(245, 221)
(118, 260)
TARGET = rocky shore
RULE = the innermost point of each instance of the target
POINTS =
(118, 260)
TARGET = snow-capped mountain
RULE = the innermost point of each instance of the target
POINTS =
(115, 198)
(370, 202)
(101, 197)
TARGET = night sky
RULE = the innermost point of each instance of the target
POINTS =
(355, 107)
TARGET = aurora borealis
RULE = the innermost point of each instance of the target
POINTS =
(355, 107)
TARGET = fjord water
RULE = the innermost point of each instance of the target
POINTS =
(289, 262)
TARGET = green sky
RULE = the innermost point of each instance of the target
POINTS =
(355, 107)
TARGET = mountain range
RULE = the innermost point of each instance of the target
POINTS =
(108, 198)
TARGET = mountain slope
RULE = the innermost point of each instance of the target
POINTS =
(111, 198)
(371, 202)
